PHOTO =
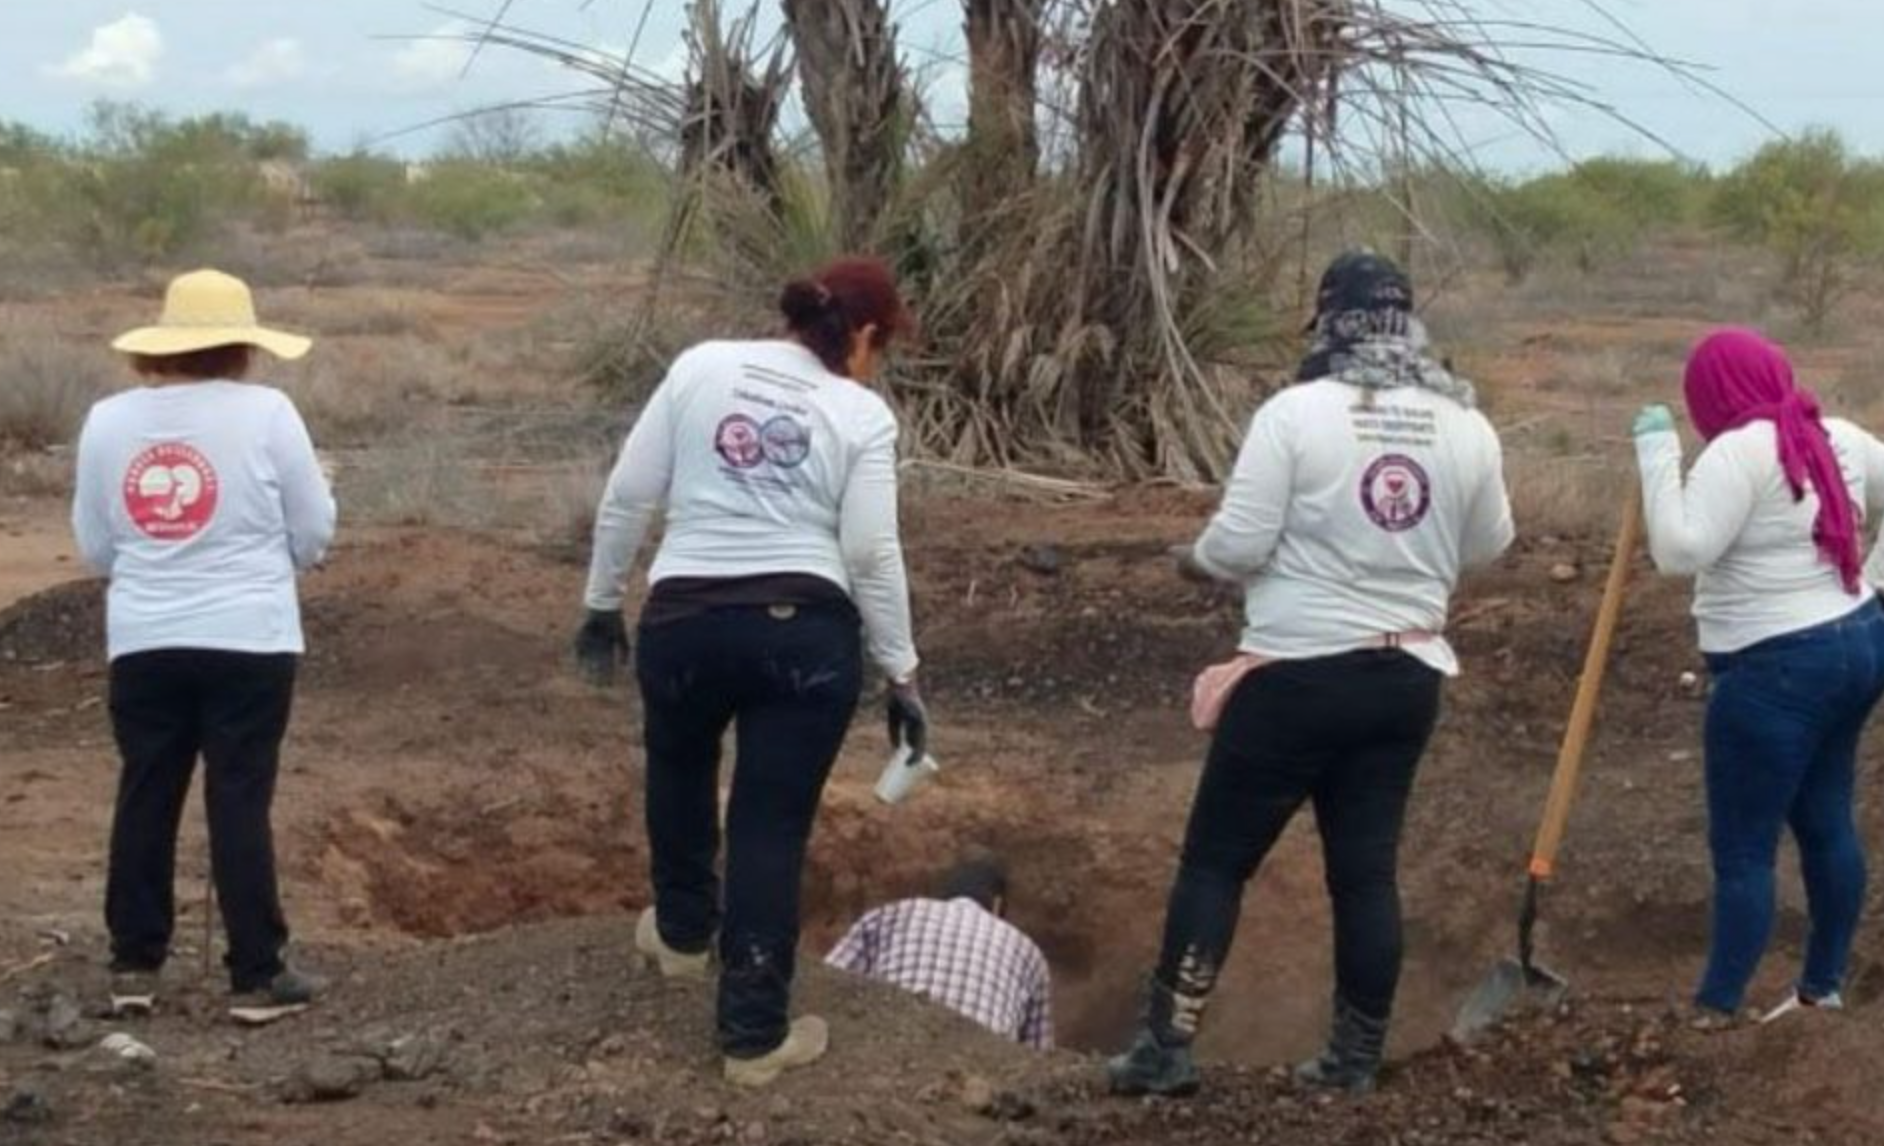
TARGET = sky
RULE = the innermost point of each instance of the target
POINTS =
(354, 71)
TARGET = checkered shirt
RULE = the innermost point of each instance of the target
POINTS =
(960, 955)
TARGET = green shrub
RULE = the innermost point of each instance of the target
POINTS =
(471, 201)
(1591, 213)
(1814, 206)
(601, 182)
(142, 187)
(1554, 215)
(361, 187)
(1649, 193)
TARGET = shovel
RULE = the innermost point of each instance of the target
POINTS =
(1519, 983)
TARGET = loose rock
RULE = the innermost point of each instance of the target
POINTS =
(330, 1078)
(1045, 560)
(412, 1058)
(27, 1106)
(977, 1093)
(121, 1051)
(56, 1022)
(1563, 573)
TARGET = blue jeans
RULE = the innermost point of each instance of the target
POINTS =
(1782, 744)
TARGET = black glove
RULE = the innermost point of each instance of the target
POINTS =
(1185, 557)
(909, 720)
(602, 647)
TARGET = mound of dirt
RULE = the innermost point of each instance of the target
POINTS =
(368, 643)
(64, 624)
(555, 1033)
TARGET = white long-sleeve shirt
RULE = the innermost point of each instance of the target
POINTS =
(200, 502)
(1350, 516)
(1735, 526)
(765, 462)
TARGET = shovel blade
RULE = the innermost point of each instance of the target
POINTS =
(1511, 987)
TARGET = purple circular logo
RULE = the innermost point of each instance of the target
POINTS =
(737, 441)
(1396, 493)
(786, 441)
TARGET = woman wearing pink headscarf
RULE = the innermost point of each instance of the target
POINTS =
(1768, 521)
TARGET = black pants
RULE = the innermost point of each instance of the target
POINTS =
(788, 679)
(167, 708)
(1347, 733)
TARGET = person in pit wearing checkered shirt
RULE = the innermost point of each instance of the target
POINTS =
(959, 950)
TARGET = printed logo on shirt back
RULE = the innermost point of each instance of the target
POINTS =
(171, 491)
(786, 441)
(1397, 493)
(739, 442)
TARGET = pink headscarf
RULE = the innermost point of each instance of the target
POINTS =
(1736, 377)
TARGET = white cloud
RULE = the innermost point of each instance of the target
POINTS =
(433, 61)
(275, 62)
(122, 54)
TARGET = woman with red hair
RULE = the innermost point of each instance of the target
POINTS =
(1768, 522)
(775, 464)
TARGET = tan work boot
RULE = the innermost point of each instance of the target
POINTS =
(805, 1044)
(673, 964)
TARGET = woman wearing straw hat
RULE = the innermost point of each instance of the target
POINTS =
(200, 497)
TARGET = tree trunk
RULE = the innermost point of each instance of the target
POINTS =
(1003, 147)
(854, 94)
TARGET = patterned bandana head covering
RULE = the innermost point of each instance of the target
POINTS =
(1365, 333)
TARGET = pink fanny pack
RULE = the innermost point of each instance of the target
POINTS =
(1210, 692)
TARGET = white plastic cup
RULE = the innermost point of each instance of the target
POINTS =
(904, 774)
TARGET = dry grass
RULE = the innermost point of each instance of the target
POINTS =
(562, 510)
(1604, 372)
(419, 480)
(358, 313)
(46, 474)
(47, 383)
(1578, 496)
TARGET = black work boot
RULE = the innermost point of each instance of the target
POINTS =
(1352, 1060)
(1159, 1059)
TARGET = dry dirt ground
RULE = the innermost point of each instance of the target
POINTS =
(460, 841)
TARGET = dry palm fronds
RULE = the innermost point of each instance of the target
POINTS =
(1092, 291)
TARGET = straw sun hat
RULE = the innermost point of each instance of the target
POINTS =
(204, 310)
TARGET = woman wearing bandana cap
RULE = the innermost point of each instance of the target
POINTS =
(1359, 497)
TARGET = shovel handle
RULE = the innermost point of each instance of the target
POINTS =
(1563, 783)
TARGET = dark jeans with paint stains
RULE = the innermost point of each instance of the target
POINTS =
(1345, 733)
(786, 679)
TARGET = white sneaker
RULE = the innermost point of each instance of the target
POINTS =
(805, 1044)
(1797, 1002)
(673, 964)
(133, 993)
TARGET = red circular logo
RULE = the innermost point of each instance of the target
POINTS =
(170, 491)
(738, 441)
(1396, 493)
